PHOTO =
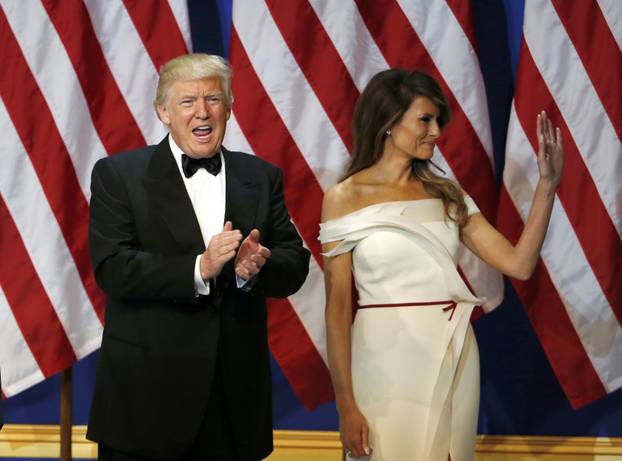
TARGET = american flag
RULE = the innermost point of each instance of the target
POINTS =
(77, 83)
(78, 80)
(570, 65)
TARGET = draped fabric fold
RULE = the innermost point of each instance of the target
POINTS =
(410, 356)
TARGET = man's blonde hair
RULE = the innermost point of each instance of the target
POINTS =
(194, 66)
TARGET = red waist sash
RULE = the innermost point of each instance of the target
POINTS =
(449, 305)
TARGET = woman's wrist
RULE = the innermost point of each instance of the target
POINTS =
(548, 186)
(346, 404)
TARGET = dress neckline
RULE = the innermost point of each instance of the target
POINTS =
(391, 202)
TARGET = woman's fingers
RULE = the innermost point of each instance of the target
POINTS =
(365, 439)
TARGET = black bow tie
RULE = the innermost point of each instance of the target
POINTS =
(191, 165)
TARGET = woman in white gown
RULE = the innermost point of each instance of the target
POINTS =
(405, 367)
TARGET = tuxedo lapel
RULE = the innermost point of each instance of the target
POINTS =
(170, 198)
(241, 203)
(171, 201)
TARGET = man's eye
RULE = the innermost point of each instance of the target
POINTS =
(213, 99)
(186, 102)
(426, 119)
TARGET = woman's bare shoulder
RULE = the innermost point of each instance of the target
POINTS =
(341, 199)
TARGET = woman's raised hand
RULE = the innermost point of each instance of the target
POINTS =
(550, 150)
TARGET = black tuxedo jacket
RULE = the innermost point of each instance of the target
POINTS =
(160, 341)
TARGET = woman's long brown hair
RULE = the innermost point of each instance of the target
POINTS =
(386, 98)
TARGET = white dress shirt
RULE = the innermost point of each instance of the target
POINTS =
(207, 194)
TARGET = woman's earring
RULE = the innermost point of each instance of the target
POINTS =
(388, 132)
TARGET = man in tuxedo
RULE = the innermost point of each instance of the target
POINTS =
(187, 240)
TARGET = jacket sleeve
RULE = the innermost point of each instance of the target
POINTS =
(287, 268)
(123, 269)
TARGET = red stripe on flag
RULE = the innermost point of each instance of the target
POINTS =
(297, 356)
(158, 29)
(270, 139)
(460, 145)
(29, 302)
(111, 115)
(48, 155)
(598, 51)
(464, 14)
(550, 320)
(577, 191)
(320, 62)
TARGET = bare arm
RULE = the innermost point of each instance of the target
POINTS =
(338, 315)
(485, 241)
(338, 282)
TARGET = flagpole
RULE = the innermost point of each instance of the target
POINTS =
(65, 414)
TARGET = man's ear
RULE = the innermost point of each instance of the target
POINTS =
(163, 114)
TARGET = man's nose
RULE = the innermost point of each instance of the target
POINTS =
(202, 109)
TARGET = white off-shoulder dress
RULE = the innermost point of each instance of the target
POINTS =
(415, 363)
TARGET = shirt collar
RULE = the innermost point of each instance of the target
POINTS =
(177, 153)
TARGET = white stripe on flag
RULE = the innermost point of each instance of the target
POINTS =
(578, 102)
(452, 53)
(566, 263)
(612, 10)
(485, 281)
(290, 92)
(308, 302)
(19, 368)
(45, 243)
(180, 11)
(59, 85)
(131, 66)
(354, 43)
(234, 138)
